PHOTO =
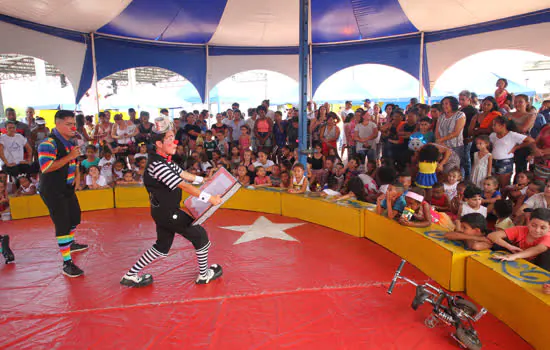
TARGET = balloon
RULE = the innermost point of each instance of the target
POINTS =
(416, 141)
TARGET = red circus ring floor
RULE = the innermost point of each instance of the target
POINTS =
(327, 291)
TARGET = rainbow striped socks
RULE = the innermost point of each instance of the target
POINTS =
(64, 243)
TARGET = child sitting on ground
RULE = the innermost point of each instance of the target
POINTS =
(503, 211)
(94, 179)
(261, 179)
(474, 232)
(24, 186)
(299, 183)
(529, 242)
(472, 204)
(490, 193)
(439, 199)
(393, 202)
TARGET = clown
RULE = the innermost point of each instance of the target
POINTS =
(57, 158)
(165, 182)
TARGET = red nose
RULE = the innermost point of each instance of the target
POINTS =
(176, 142)
(73, 128)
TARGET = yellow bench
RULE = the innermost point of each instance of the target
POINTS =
(512, 291)
(343, 217)
(259, 200)
(425, 248)
(32, 206)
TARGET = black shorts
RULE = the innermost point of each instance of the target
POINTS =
(64, 210)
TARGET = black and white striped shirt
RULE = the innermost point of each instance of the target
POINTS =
(165, 173)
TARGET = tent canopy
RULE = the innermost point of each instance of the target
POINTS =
(206, 40)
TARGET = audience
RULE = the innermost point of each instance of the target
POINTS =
(482, 168)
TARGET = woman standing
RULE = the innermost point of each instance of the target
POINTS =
(102, 132)
(235, 126)
(450, 126)
(317, 123)
(330, 133)
(123, 132)
(482, 123)
(523, 120)
(263, 130)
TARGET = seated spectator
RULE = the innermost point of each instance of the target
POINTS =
(94, 179)
(142, 150)
(128, 178)
(439, 199)
(91, 158)
(503, 211)
(298, 183)
(24, 186)
(393, 202)
(15, 152)
(523, 179)
(539, 200)
(285, 179)
(141, 164)
(490, 193)
(118, 170)
(261, 179)
(474, 232)
(417, 212)
(263, 161)
(275, 176)
(456, 203)
(4, 199)
(472, 204)
(180, 157)
(529, 242)
(406, 180)
(451, 182)
(106, 166)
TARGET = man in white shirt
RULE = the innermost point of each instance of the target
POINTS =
(346, 111)
(367, 107)
(12, 151)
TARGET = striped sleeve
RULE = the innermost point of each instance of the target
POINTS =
(165, 174)
(47, 152)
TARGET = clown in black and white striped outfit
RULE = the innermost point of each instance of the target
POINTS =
(165, 181)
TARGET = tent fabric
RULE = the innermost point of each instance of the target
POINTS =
(113, 55)
(443, 54)
(400, 53)
(221, 67)
(173, 34)
(65, 54)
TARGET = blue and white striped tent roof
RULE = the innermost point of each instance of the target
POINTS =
(209, 40)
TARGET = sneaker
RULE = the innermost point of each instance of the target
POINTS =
(215, 271)
(6, 251)
(136, 281)
(77, 247)
(71, 270)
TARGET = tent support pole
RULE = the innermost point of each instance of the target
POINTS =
(303, 71)
(207, 85)
(421, 70)
(96, 83)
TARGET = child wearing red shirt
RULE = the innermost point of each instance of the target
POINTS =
(532, 242)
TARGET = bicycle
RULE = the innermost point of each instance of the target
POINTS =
(448, 310)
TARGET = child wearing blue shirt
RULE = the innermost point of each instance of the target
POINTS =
(425, 126)
(393, 202)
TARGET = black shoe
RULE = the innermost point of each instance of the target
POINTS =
(136, 281)
(215, 271)
(71, 270)
(6, 251)
(77, 247)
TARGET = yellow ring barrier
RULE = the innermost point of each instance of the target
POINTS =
(512, 291)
